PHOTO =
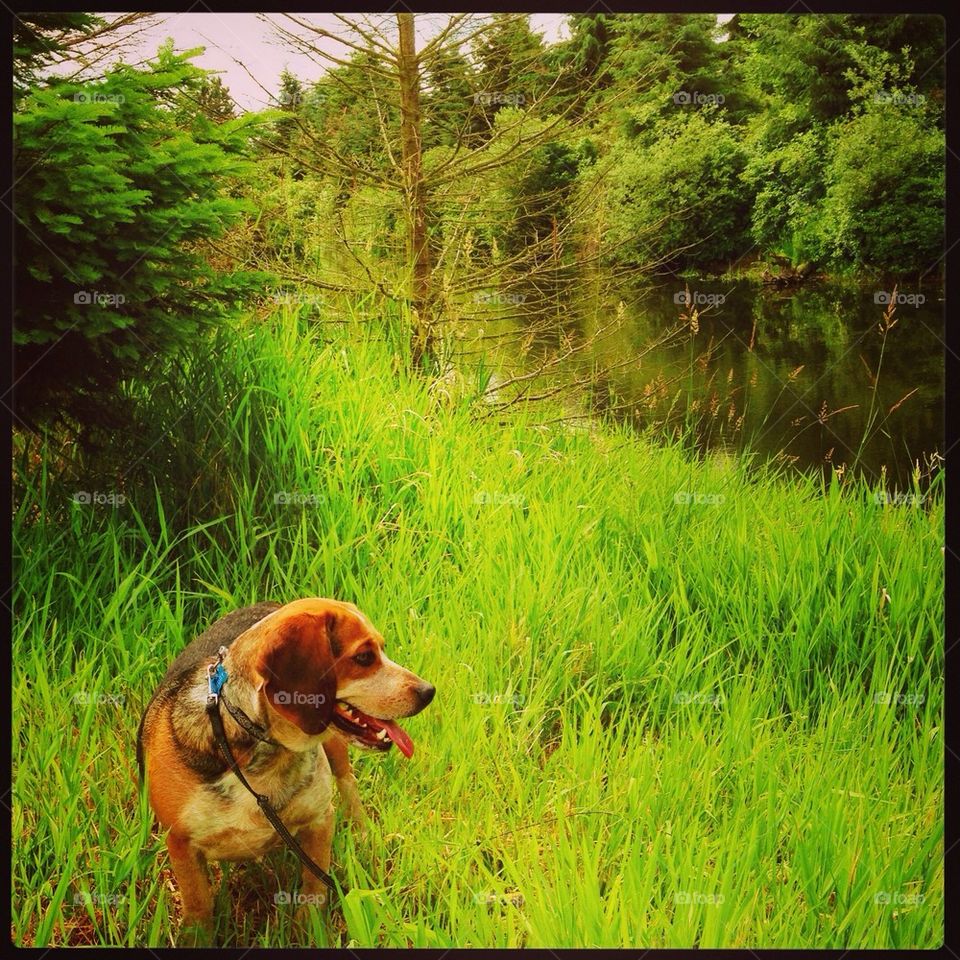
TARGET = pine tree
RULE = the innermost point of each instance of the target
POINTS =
(111, 212)
(509, 71)
(291, 92)
(214, 100)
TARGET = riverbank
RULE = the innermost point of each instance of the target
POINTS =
(676, 704)
(810, 375)
(765, 269)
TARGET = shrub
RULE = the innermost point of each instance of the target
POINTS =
(885, 186)
(675, 197)
(113, 203)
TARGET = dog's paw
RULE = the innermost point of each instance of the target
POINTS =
(356, 816)
(308, 929)
(350, 805)
(196, 933)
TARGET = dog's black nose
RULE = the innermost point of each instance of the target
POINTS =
(425, 692)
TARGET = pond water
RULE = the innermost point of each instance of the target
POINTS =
(790, 374)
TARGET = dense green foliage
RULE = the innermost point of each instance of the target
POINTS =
(815, 137)
(846, 160)
(672, 142)
(116, 193)
(677, 197)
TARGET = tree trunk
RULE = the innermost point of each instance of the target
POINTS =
(415, 194)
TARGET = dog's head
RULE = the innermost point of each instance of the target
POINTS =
(322, 663)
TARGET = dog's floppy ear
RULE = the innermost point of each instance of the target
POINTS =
(297, 666)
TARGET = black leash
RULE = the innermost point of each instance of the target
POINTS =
(217, 677)
(242, 720)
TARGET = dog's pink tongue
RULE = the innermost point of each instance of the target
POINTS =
(399, 736)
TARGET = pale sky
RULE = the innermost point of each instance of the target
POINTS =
(246, 52)
(243, 37)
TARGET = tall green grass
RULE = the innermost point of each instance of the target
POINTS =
(677, 705)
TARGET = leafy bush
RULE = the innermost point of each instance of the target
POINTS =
(846, 161)
(674, 197)
(883, 207)
(884, 202)
(113, 203)
(787, 184)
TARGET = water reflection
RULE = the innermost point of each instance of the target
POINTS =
(791, 374)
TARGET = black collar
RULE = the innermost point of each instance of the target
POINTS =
(254, 729)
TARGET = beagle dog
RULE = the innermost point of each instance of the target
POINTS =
(303, 680)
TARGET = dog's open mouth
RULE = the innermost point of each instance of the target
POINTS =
(371, 731)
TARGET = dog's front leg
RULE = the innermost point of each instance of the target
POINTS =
(190, 868)
(347, 786)
(339, 759)
(317, 842)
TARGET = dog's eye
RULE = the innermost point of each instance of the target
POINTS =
(366, 658)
